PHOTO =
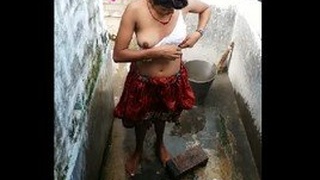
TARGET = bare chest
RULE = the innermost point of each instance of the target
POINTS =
(149, 31)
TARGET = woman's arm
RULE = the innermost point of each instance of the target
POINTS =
(204, 11)
(121, 51)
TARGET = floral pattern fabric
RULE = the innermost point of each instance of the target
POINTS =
(154, 98)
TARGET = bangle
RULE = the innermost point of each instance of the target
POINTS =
(200, 31)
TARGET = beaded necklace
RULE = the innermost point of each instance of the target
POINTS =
(158, 20)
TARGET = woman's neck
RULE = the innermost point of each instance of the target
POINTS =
(160, 14)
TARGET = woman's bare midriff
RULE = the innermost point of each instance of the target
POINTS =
(159, 68)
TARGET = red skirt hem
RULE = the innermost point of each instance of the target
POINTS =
(145, 98)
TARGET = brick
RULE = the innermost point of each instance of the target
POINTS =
(187, 161)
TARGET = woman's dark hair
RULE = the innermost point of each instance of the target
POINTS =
(176, 4)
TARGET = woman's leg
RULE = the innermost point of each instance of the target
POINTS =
(161, 150)
(133, 162)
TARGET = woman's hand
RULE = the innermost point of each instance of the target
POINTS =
(169, 52)
(190, 40)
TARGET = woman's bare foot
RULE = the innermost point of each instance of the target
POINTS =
(133, 163)
(162, 153)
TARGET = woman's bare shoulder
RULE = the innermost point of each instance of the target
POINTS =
(195, 6)
(135, 5)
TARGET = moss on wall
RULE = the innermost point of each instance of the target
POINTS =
(80, 111)
(93, 75)
(83, 100)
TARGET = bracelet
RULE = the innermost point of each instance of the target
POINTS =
(200, 31)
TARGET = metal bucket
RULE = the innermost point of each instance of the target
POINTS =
(201, 75)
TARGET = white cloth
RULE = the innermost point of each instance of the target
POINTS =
(178, 33)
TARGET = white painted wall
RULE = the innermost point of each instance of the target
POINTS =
(79, 49)
(238, 21)
(245, 70)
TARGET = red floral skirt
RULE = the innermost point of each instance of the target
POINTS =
(154, 98)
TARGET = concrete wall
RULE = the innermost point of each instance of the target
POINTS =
(217, 35)
(245, 71)
(83, 97)
(238, 21)
(245, 66)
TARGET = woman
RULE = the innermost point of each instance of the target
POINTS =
(156, 88)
